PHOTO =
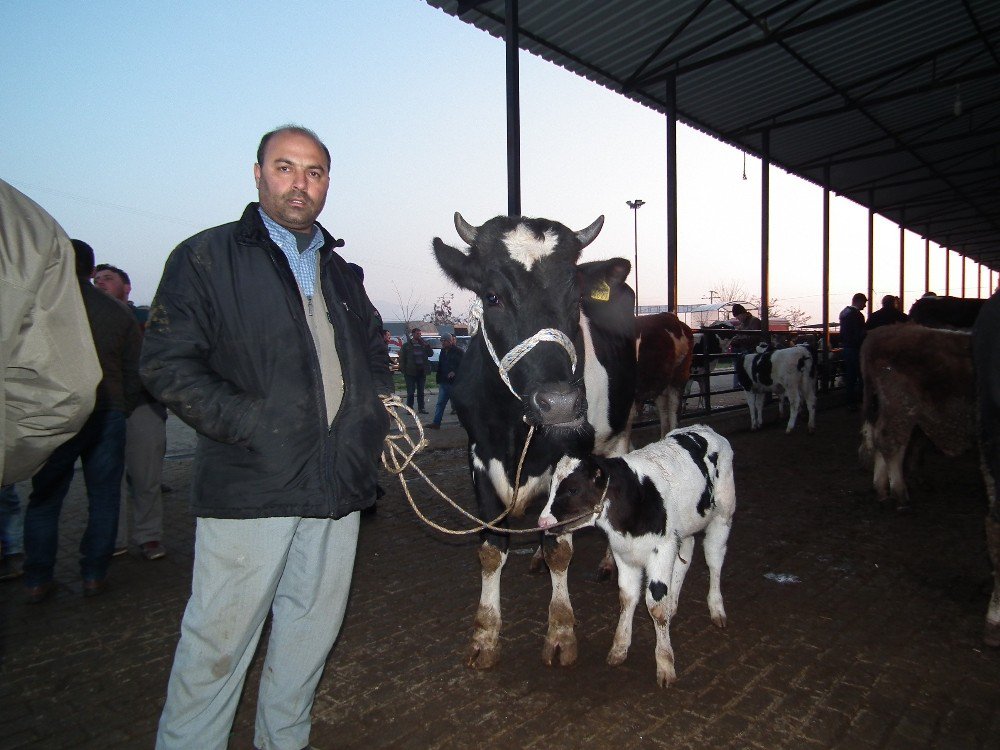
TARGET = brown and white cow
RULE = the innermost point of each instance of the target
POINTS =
(916, 379)
(664, 348)
(956, 313)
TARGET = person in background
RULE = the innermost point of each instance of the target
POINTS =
(145, 445)
(742, 343)
(100, 446)
(888, 314)
(50, 369)
(447, 369)
(852, 333)
(414, 361)
(264, 341)
(11, 534)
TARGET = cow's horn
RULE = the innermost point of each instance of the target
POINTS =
(588, 235)
(465, 230)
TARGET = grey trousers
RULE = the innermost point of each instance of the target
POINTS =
(140, 518)
(298, 568)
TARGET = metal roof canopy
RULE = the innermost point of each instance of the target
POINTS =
(892, 103)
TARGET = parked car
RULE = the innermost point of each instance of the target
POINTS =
(393, 357)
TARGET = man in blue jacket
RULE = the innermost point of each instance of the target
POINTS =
(262, 339)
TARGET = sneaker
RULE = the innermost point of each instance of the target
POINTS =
(119, 551)
(152, 550)
(12, 566)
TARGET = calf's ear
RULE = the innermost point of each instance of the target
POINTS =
(457, 266)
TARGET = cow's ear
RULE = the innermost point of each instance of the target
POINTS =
(458, 266)
(617, 270)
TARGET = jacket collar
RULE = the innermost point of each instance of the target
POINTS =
(250, 230)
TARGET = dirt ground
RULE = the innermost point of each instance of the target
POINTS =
(849, 627)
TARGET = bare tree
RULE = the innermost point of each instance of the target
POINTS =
(442, 313)
(733, 290)
(407, 309)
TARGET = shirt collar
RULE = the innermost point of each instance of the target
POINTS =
(282, 235)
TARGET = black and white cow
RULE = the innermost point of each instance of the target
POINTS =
(986, 355)
(789, 373)
(555, 349)
(650, 504)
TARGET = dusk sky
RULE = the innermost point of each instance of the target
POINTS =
(136, 124)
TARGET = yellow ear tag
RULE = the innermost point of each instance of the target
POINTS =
(601, 292)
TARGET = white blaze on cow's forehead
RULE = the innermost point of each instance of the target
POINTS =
(525, 247)
(531, 487)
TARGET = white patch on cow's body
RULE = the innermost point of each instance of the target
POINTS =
(598, 390)
(531, 486)
(525, 247)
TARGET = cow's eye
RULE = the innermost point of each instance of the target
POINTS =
(493, 300)
(573, 491)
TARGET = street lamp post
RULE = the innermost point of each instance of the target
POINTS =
(635, 206)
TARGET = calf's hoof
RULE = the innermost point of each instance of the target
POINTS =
(537, 565)
(559, 650)
(617, 656)
(719, 619)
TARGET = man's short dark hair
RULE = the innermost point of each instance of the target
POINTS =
(84, 258)
(291, 129)
(415, 331)
(114, 269)
(738, 310)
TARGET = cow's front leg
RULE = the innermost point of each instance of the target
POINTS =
(629, 586)
(897, 483)
(485, 649)
(606, 567)
(560, 641)
(991, 634)
(880, 477)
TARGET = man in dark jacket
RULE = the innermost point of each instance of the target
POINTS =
(887, 315)
(100, 446)
(447, 369)
(262, 339)
(852, 333)
(414, 361)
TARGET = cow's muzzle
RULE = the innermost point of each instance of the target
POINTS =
(558, 405)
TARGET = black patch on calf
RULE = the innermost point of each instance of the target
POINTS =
(761, 369)
(635, 508)
(657, 589)
(741, 373)
(697, 447)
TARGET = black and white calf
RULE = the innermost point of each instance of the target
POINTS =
(789, 373)
(651, 503)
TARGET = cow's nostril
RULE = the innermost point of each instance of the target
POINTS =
(543, 403)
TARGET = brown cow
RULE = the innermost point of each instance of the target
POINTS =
(664, 346)
(915, 379)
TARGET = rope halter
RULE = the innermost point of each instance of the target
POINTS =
(512, 357)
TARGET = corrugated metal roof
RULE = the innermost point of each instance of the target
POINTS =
(899, 99)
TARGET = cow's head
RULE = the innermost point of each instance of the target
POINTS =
(578, 487)
(525, 274)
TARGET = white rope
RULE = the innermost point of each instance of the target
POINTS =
(511, 358)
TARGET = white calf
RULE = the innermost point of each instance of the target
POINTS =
(789, 373)
(651, 503)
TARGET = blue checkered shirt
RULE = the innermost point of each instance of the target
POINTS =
(303, 264)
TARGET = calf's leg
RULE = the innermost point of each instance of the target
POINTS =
(560, 641)
(629, 584)
(681, 565)
(667, 404)
(793, 408)
(485, 649)
(715, 542)
(659, 571)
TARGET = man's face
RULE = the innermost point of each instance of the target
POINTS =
(293, 180)
(111, 283)
(447, 342)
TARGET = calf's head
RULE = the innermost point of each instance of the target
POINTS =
(578, 487)
(524, 272)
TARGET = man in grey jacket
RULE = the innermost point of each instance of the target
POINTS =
(262, 339)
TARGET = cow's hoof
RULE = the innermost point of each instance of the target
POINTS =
(719, 620)
(991, 634)
(559, 651)
(482, 657)
(617, 656)
(665, 677)
(904, 508)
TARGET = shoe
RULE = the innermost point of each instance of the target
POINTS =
(432, 426)
(119, 551)
(152, 550)
(11, 567)
(39, 593)
(94, 586)
(424, 411)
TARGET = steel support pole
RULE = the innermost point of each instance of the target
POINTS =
(927, 264)
(672, 194)
(947, 271)
(765, 227)
(513, 111)
(902, 265)
(963, 275)
(871, 250)
(826, 277)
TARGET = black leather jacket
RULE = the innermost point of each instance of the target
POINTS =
(228, 349)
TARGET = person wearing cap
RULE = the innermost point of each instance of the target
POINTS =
(852, 333)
